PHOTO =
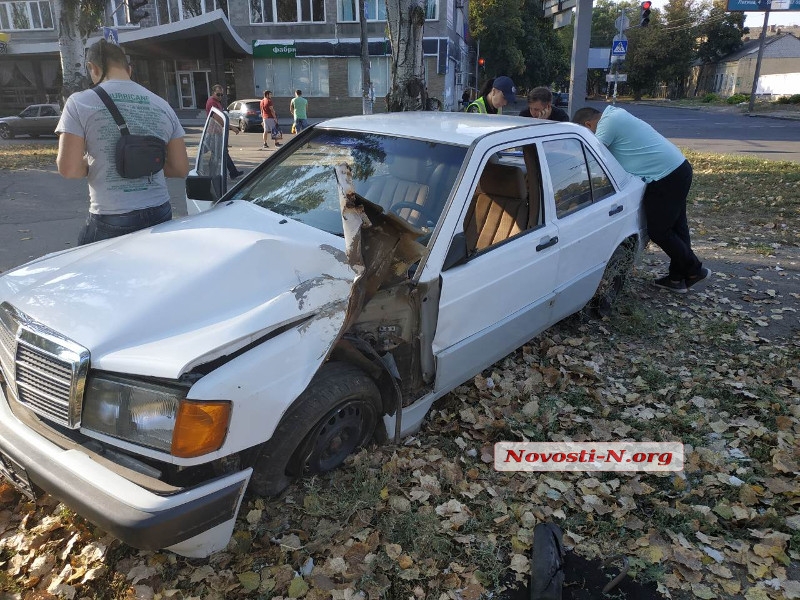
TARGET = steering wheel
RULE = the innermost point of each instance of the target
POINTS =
(423, 218)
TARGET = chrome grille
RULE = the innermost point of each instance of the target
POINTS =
(48, 371)
(8, 345)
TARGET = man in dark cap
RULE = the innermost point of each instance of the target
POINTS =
(496, 94)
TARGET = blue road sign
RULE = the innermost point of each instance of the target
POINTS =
(619, 48)
(110, 35)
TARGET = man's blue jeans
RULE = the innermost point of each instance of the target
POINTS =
(104, 227)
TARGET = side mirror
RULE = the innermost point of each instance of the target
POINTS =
(457, 254)
(199, 187)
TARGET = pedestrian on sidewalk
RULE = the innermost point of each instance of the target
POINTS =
(87, 143)
(644, 152)
(215, 101)
(299, 109)
(269, 118)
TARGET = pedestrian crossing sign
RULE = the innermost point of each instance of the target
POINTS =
(619, 48)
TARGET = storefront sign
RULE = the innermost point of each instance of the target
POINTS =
(268, 50)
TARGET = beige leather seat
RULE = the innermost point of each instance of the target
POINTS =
(402, 184)
(499, 209)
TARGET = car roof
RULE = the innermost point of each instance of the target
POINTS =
(447, 127)
(246, 100)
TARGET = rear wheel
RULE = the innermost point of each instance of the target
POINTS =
(242, 125)
(613, 281)
(5, 132)
(335, 415)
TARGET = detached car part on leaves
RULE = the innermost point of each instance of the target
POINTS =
(364, 270)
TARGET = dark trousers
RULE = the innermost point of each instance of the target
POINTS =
(665, 210)
(104, 227)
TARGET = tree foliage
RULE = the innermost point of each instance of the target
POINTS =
(721, 33)
(517, 42)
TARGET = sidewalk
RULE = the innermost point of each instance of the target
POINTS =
(786, 112)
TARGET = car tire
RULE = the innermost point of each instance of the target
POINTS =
(611, 285)
(5, 132)
(242, 125)
(335, 415)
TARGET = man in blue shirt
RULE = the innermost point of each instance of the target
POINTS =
(644, 152)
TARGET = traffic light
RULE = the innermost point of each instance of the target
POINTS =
(134, 14)
(646, 13)
(482, 62)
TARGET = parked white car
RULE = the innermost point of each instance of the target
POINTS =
(364, 270)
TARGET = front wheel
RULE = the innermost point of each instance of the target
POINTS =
(5, 132)
(335, 415)
(613, 281)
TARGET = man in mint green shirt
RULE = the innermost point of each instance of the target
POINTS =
(299, 108)
(645, 153)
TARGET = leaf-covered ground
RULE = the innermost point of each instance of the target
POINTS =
(716, 369)
(28, 156)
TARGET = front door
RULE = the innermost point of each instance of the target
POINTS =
(186, 89)
(207, 182)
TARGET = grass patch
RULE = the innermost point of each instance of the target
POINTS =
(28, 156)
(764, 195)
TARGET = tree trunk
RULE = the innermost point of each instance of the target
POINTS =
(70, 44)
(406, 19)
(366, 81)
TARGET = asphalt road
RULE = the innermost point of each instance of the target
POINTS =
(721, 131)
(41, 212)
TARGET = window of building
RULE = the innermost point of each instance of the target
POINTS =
(347, 11)
(378, 74)
(285, 75)
(172, 11)
(287, 11)
(25, 15)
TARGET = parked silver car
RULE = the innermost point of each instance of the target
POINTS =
(36, 120)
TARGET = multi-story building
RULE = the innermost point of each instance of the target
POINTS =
(183, 47)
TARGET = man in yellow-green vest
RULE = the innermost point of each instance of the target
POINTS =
(498, 93)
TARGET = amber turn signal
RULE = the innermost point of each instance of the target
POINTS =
(200, 427)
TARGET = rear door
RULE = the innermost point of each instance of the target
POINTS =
(48, 115)
(208, 182)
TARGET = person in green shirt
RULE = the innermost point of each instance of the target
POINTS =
(299, 108)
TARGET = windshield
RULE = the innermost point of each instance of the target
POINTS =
(410, 178)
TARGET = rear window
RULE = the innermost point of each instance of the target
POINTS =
(252, 106)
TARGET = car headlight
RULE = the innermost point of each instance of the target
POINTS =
(154, 415)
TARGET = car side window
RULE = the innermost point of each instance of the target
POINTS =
(48, 111)
(507, 200)
(569, 175)
(31, 111)
(601, 184)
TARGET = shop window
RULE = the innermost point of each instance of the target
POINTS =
(378, 74)
(285, 75)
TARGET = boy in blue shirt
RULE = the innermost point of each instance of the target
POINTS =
(644, 152)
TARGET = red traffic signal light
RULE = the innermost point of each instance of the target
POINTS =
(646, 13)
(482, 61)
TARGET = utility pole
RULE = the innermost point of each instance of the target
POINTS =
(580, 55)
(761, 40)
(619, 46)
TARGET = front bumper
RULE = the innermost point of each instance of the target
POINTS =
(135, 515)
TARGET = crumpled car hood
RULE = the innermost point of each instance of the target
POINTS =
(160, 301)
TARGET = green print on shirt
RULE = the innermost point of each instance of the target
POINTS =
(134, 98)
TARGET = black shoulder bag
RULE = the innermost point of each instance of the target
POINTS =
(136, 155)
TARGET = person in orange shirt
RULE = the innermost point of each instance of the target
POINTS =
(269, 117)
